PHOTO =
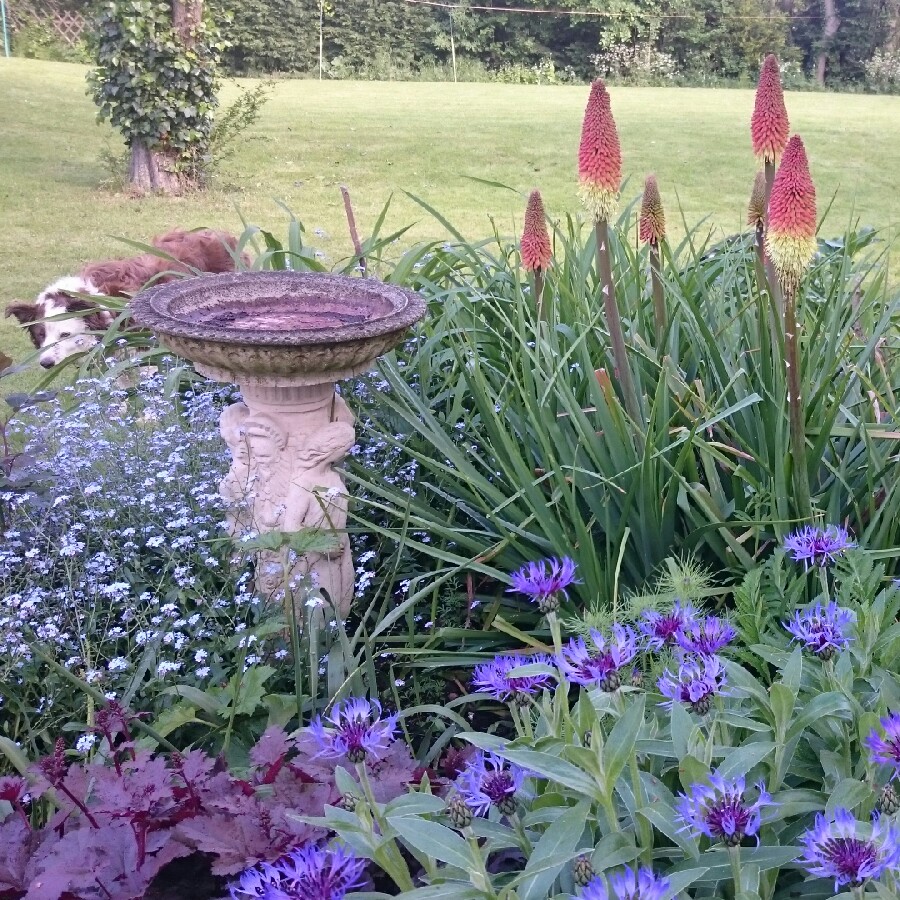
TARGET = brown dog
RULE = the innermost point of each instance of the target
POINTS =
(60, 335)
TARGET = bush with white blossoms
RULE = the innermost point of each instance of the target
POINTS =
(118, 569)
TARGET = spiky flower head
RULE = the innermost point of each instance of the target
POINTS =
(583, 871)
(818, 546)
(791, 236)
(663, 629)
(357, 731)
(822, 629)
(535, 245)
(306, 873)
(888, 801)
(886, 749)
(652, 224)
(849, 851)
(769, 126)
(698, 680)
(720, 810)
(490, 781)
(707, 636)
(756, 209)
(629, 884)
(599, 663)
(545, 582)
(494, 678)
(599, 156)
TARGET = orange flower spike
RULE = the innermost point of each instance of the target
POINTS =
(599, 157)
(535, 244)
(756, 209)
(791, 238)
(769, 127)
(652, 225)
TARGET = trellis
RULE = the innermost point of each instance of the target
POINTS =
(67, 24)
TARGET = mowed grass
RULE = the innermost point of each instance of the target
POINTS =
(432, 140)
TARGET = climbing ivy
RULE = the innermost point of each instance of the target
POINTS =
(157, 89)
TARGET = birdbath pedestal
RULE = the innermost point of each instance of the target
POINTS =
(285, 338)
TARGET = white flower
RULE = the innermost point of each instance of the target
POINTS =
(85, 742)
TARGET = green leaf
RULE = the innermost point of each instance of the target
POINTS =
(718, 862)
(434, 840)
(619, 745)
(848, 793)
(782, 699)
(739, 761)
(414, 804)
(558, 844)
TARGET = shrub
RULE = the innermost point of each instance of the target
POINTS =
(635, 64)
(39, 41)
(883, 71)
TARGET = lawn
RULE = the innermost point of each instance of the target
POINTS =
(429, 139)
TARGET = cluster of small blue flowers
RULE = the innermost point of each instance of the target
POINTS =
(120, 546)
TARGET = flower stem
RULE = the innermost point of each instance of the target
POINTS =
(555, 632)
(795, 406)
(734, 856)
(614, 321)
(392, 861)
(659, 301)
(537, 284)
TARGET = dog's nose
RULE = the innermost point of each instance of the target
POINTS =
(47, 363)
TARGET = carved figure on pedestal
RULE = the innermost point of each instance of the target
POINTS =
(235, 487)
(318, 499)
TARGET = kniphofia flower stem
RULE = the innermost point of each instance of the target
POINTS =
(659, 302)
(614, 321)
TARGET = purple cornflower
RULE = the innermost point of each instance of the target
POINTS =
(599, 663)
(306, 873)
(662, 629)
(841, 849)
(494, 678)
(698, 680)
(544, 582)
(720, 811)
(886, 749)
(358, 730)
(489, 781)
(821, 629)
(638, 884)
(706, 637)
(817, 546)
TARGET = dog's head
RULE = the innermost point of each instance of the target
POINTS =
(59, 324)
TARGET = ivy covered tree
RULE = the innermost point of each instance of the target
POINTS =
(156, 80)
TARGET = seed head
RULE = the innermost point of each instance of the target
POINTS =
(652, 226)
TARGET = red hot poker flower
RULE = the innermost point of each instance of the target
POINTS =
(652, 225)
(535, 244)
(599, 156)
(791, 238)
(769, 126)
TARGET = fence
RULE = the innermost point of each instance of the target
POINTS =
(66, 24)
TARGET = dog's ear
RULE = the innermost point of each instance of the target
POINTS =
(26, 313)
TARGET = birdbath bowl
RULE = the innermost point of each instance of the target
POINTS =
(285, 338)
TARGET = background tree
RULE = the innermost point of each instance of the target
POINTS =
(156, 80)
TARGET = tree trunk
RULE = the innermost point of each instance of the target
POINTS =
(153, 172)
(156, 171)
(829, 30)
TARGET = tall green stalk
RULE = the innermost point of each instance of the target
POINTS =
(614, 320)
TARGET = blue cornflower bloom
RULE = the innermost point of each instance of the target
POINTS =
(358, 730)
(822, 629)
(848, 851)
(698, 680)
(706, 637)
(544, 582)
(599, 663)
(720, 811)
(494, 678)
(886, 749)
(306, 873)
(818, 546)
(489, 781)
(629, 884)
(662, 629)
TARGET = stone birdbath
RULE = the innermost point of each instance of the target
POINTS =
(285, 338)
